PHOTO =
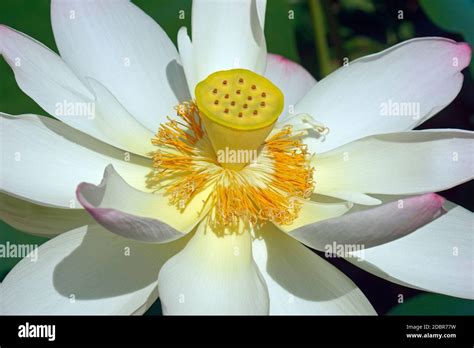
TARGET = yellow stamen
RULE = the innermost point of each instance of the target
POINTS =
(238, 109)
(270, 189)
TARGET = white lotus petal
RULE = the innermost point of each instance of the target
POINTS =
(44, 76)
(398, 163)
(312, 212)
(44, 160)
(301, 282)
(40, 220)
(120, 46)
(226, 35)
(138, 215)
(351, 101)
(213, 275)
(438, 257)
(373, 226)
(86, 271)
(292, 79)
(120, 128)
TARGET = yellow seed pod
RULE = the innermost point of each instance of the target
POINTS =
(238, 108)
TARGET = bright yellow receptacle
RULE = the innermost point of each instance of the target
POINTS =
(238, 108)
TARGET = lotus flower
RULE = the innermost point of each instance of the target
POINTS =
(169, 220)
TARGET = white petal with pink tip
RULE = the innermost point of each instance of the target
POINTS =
(372, 226)
(292, 79)
(350, 101)
(130, 213)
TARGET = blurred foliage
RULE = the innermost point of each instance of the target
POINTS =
(348, 28)
(434, 304)
(279, 29)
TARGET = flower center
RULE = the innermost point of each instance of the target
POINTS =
(234, 113)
